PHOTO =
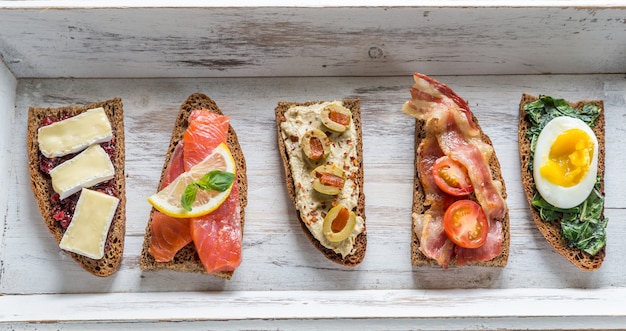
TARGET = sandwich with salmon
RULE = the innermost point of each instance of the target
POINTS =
(460, 216)
(561, 146)
(76, 163)
(321, 148)
(196, 223)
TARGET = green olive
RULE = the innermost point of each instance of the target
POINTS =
(336, 118)
(338, 223)
(328, 179)
(315, 145)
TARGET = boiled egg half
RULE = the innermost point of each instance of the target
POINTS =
(565, 163)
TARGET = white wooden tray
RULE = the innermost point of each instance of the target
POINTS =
(249, 59)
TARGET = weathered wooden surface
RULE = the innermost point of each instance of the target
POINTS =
(488, 54)
(311, 41)
(304, 3)
(282, 277)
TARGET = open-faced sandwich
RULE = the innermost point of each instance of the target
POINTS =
(76, 162)
(460, 215)
(197, 221)
(561, 148)
(320, 145)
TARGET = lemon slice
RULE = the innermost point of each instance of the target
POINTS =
(168, 200)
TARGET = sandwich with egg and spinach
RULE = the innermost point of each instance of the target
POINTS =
(76, 163)
(321, 148)
(561, 147)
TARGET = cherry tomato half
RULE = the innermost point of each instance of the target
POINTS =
(465, 224)
(451, 177)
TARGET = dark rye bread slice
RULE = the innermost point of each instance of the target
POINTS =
(42, 186)
(552, 230)
(417, 257)
(356, 258)
(187, 259)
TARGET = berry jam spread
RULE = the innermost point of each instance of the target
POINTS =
(63, 210)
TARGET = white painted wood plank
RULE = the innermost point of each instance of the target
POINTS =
(466, 323)
(304, 3)
(311, 41)
(276, 256)
(453, 309)
(282, 278)
(8, 85)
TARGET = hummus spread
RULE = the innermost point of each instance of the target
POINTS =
(312, 205)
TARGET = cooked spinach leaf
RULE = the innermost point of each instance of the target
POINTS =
(582, 226)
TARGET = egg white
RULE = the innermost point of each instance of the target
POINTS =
(559, 196)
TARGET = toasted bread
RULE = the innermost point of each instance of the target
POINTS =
(417, 257)
(42, 187)
(187, 260)
(360, 241)
(552, 230)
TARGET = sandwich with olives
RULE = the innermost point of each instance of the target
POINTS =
(321, 149)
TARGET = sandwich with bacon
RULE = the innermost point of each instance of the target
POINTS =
(460, 216)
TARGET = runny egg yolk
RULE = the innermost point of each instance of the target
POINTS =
(570, 157)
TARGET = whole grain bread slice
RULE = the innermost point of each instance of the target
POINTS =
(357, 257)
(417, 257)
(552, 230)
(187, 259)
(42, 187)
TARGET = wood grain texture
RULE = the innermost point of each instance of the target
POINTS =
(311, 41)
(302, 3)
(8, 85)
(348, 309)
(279, 269)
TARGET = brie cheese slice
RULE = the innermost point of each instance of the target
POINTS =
(90, 225)
(90, 167)
(75, 133)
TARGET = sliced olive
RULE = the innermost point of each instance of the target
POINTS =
(336, 118)
(315, 145)
(328, 179)
(338, 223)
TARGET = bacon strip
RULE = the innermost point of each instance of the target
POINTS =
(442, 110)
(454, 144)
(490, 249)
(449, 122)
(434, 242)
(431, 91)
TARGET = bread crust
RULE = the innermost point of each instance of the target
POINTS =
(552, 230)
(42, 187)
(360, 243)
(187, 259)
(417, 257)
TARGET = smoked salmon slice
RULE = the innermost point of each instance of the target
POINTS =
(206, 131)
(169, 234)
(175, 167)
(216, 236)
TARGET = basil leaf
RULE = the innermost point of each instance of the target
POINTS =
(216, 180)
(189, 196)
